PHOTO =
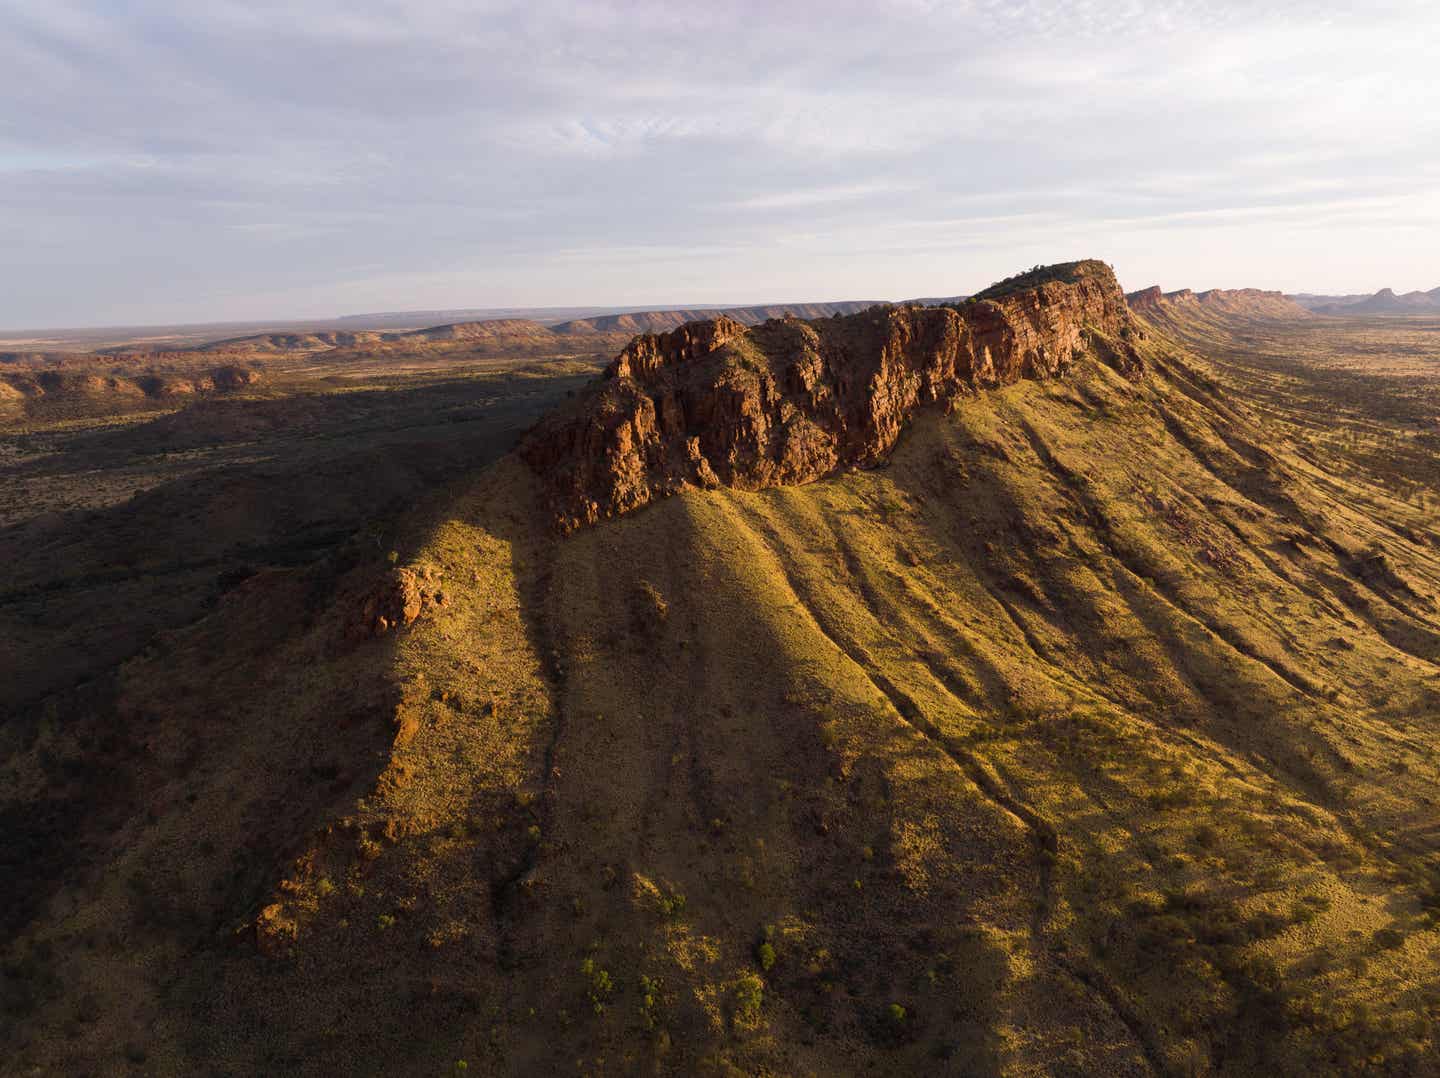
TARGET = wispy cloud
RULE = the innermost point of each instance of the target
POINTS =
(234, 158)
(820, 196)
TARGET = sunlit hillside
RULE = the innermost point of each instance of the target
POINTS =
(1090, 732)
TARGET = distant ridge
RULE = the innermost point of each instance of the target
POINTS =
(513, 330)
(1385, 301)
(286, 336)
(280, 342)
(509, 330)
(1313, 300)
(402, 320)
(1241, 302)
(662, 320)
(475, 331)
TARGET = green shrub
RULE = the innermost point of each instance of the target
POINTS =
(672, 904)
(600, 986)
(651, 989)
(749, 995)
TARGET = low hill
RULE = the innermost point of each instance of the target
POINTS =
(506, 329)
(987, 689)
(289, 342)
(68, 392)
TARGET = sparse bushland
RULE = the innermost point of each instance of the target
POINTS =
(1096, 689)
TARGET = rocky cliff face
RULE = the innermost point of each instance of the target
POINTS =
(790, 401)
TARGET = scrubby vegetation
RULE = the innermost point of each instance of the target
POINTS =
(1031, 278)
(1093, 734)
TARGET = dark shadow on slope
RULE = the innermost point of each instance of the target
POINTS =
(86, 589)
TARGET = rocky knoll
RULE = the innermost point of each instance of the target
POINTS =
(791, 401)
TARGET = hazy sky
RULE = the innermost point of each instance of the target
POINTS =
(193, 160)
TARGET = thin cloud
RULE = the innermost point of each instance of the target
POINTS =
(819, 196)
(217, 159)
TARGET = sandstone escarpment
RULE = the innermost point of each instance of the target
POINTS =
(1240, 302)
(790, 401)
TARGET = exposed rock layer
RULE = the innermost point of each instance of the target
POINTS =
(395, 601)
(789, 401)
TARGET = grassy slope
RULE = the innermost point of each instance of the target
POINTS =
(1093, 732)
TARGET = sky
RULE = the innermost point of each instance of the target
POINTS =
(205, 160)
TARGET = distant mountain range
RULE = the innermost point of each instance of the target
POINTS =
(362, 330)
(1385, 301)
(625, 324)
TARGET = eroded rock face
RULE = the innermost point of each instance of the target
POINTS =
(715, 403)
(400, 597)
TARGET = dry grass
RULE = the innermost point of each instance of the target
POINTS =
(1090, 734)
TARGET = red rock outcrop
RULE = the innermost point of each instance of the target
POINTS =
(788, 401)
(400, 597)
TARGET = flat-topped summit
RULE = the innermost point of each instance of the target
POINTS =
(716, 403)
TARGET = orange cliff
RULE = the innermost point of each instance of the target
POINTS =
(715, 403)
